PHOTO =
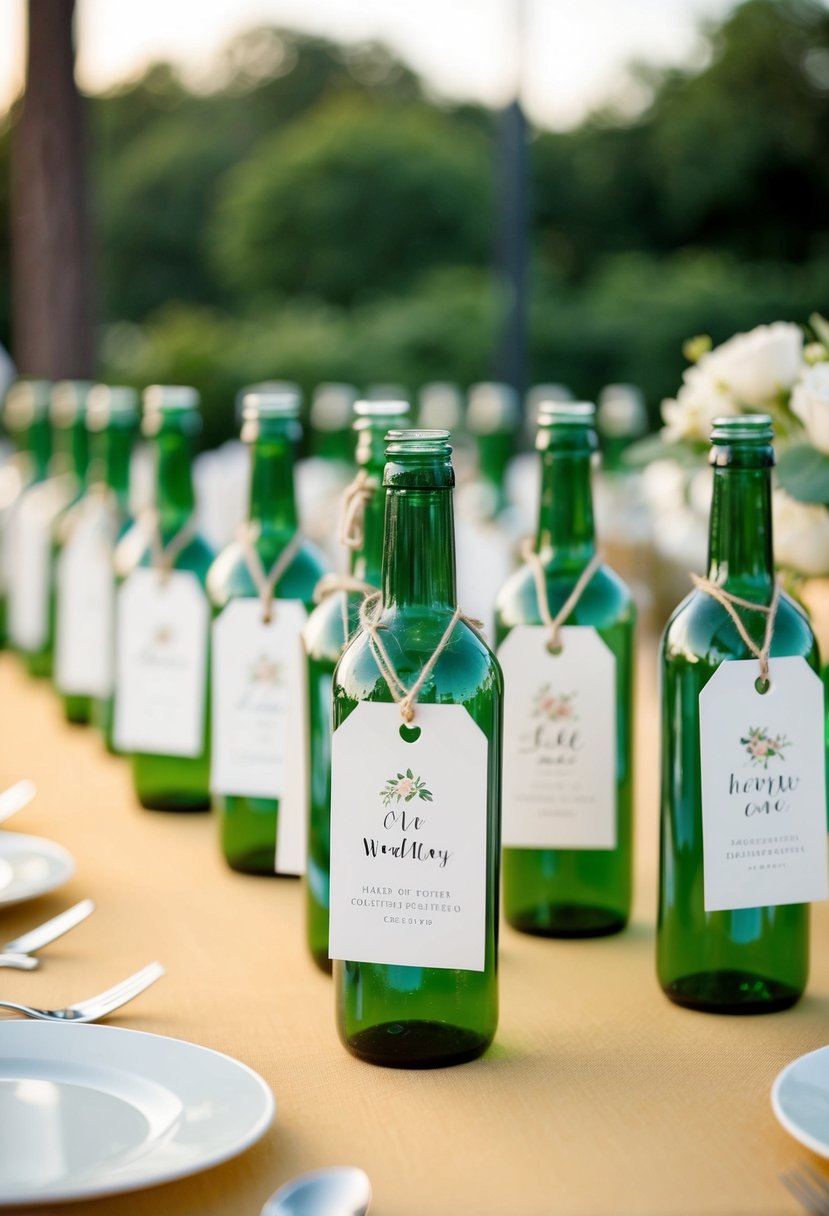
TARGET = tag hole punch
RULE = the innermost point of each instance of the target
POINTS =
(762, 685)
(554, 648)
(409, 734)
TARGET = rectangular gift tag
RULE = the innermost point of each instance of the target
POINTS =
(560, 740)
(763, 786)
(409, 838)
(30, 545)
(161, 664)
(259, 716)
(85, 634)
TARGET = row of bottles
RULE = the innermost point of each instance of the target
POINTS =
(411, 727)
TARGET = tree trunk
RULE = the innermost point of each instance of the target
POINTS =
(52, 324)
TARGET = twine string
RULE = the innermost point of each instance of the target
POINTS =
(164, 557)
(266, 581)
(356, 497)
(554, 623)
(731, 603)
(404, 697)
(329, 584)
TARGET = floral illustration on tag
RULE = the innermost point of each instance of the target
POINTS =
(163, 635)
(404, 788)
(265, 671)
(762, 746)
(554, 707)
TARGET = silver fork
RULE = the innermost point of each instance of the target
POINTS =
(95, 1007)
(809, 1188)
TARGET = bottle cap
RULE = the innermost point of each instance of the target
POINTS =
(492, 407)
(265, 386)
(381, 408)
(567, 413)
(26, 400)
(265, 402)
(69, 401)
(164, 397)
(331, 406)
(111, 403)
(743, 428)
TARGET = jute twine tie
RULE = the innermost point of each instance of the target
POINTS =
(164, 557)
(266, 581)
(405, 698)
(329, 583)
(554, 623)
(356, 496)
(731, 603)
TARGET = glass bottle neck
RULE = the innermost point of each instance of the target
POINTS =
(272, 502)
(174, 482)
(419, 549)
(117, 458)
(740, 553)
(565, 514)
(39, 444)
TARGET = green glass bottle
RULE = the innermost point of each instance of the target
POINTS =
(332, 623)
(169, 540)
(61, 490)
(26, 419)
(576, 891)
(749, 960)
(402, 1015)
(330, 420)
(253, 822)
(493, 418)
(85, 580)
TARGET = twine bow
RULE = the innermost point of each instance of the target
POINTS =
(731, 603)
(554, 623)
(266, 581)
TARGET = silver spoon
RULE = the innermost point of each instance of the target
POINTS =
(16, 797)
(339, 1191)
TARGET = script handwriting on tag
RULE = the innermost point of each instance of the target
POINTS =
(86, 608)
(259, 715)
(161, 664)
(409, 838)
(763, 786)
(559, 740)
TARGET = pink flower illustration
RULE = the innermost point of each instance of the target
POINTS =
(404, 787)
(763, 747)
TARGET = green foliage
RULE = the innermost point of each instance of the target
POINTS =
(804, 473)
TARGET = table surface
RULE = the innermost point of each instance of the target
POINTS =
(598, 1096)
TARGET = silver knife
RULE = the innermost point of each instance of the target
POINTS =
(51, 930)
(16, 797)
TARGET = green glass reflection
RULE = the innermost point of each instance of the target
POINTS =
(574, 892)
(329, 627)
(751, 960)
(420, 1017)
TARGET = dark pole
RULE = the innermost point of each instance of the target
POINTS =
(52, 290)
(512, 218)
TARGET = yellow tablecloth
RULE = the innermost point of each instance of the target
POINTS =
(599, 1096)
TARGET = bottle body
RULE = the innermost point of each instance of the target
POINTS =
(749, 959)
(440, 1011)
(423, 1017)
(746, 959)
(578, 892)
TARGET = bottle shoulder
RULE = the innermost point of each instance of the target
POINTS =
(324, 634)
(606, 600)
(230, 576)
(465, 669)
(700, 628)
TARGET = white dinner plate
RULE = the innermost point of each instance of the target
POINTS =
(800, 1100)
(97, 1110)
(31, 866)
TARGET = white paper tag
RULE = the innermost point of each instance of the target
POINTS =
(409, 839)
(30, 546)
(85, 634)
(763, 786)
(559, 740)
(259, 715)
(161, 664)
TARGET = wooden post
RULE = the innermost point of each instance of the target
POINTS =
(52, 290)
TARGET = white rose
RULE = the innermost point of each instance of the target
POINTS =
(754, 368)
(699, 401)
(801, 535)
(810, 403)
